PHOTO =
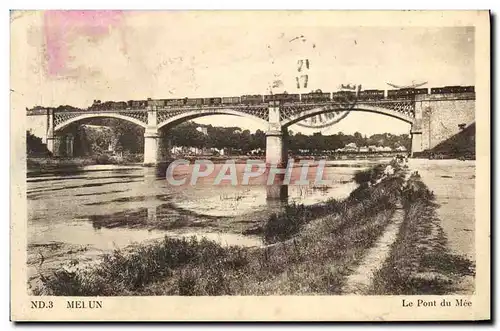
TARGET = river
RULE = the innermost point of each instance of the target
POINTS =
(75, 215)
(110, 206)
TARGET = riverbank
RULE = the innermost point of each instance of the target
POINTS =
(55, 163)
(37, 163)
(43, 164)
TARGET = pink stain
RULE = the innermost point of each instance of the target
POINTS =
(61, 27)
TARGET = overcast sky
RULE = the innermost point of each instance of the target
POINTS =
(74, 59)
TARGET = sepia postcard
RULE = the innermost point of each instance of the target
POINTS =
(250, 165)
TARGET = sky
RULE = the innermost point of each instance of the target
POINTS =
(76, 57)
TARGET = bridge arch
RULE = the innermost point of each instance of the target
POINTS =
(359, 107)
(68, 121)
(186, 116)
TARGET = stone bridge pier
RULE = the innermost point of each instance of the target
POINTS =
(58, 144)
(276, 138)
(155, 150)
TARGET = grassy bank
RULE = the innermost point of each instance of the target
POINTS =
(420, 261)
(311, 251)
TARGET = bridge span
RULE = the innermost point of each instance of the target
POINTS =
(433, 117)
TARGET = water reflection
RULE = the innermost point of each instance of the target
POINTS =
(277, 194)
(166, 216)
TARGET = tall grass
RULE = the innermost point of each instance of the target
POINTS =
(284, 225)
(126, 273)
(289, 222)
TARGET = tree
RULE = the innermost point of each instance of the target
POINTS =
(34, 144)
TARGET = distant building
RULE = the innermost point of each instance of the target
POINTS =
(401, 149)
(216, 151)
(176, 150)
(363, 149)
(258, 151)
(351, 147)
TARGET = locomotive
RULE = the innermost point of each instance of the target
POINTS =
(341, 96)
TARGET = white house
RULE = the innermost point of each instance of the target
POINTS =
(351, 147)
(364, 149)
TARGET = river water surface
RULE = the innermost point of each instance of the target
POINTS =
(111, 206)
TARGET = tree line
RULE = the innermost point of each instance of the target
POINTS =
(130, 138)
(189, 135)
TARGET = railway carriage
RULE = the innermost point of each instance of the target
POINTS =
(156, 103)
(230, 100)
(340, 96)
(316, 96)
(137, 104)
(194, 102)
(405, 93)
(282, 97)
(286, 97)
(269, 97)
(422, 91)
(175, 102)
(251, 99)
(392, 94)
(452, 89)
(371, 95)
(211, 101)
(120, 105)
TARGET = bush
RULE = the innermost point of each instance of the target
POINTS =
(104, 159)
(125, 274)
(284, 225)
(35, 145)
(369, 175)
(133, 158)
(362, 176)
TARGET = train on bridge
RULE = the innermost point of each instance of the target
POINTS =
(317, 96)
